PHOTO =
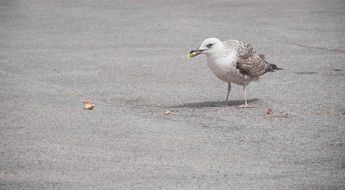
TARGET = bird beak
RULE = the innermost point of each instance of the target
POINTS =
(194, 53)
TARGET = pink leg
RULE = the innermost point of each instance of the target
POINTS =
(227, 95)
(245, 105)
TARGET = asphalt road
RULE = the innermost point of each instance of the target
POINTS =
(129, 59)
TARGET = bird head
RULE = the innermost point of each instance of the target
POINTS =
(210, 46)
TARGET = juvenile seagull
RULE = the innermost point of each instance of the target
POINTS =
(234, 61)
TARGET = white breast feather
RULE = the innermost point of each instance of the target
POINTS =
(225, 69)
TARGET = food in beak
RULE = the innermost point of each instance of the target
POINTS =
(193, 53)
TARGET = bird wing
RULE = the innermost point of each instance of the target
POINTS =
(249, 62)
(253, 65)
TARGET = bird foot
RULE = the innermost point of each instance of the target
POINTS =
(245, 106)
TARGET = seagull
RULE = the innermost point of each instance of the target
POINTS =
(235, 62)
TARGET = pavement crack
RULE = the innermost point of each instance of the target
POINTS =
(315, 47)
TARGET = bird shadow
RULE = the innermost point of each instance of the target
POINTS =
(213, 104)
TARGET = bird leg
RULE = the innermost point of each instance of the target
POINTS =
(245, 105)
(227, 95)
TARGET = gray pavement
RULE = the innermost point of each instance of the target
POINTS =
(129, 58)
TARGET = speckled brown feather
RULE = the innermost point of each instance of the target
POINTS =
(249, 62)
(253, 65)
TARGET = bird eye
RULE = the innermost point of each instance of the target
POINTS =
(209, 45)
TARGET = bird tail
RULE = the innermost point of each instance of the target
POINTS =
(272, 67)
